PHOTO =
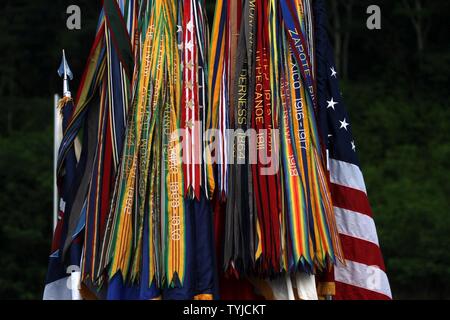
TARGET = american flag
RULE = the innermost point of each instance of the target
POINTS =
(364, 275)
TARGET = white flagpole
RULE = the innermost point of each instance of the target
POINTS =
(56, 142)
(65, 73)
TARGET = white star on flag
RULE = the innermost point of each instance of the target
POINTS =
(333, 72)
(331, 103)
(190, 104)
(189, 124)
(190, 65)
(344, 124)
(179, 29)
(190, 45)
(190, 26)
(353, 146)
(189, 85)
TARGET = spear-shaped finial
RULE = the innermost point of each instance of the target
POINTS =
(65, 73)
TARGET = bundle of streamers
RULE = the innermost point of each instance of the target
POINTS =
(171, 118)
(146, 224)
(279, 214)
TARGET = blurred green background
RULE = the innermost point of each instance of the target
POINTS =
(395, 83)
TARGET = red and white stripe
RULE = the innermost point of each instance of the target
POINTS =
(364, 274)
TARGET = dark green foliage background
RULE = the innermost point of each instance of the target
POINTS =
(398, 101)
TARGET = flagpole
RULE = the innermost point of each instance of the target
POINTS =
(66, 74)
(56, 125)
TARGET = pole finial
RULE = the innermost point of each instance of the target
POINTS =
(65, 73)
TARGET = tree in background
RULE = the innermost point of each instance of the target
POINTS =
(420, 17)
(341, 13)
